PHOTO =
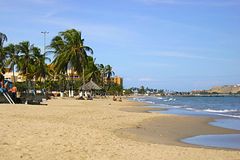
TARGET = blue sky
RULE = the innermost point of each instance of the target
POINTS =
(169, 44)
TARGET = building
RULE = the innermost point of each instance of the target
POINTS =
(9, 76)
(71, 75)
(116, 80)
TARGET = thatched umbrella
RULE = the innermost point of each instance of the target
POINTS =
(90, 86)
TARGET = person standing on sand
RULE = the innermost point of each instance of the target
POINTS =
(14, 93)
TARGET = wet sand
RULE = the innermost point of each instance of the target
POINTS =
(74, 129)
(171, 129)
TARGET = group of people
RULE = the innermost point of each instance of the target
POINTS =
(87, 96)
(6, 86)
(115, 99)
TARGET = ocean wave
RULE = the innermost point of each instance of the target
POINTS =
(229, 115)
(220, 111)
(139, 99)
(190, 109)
(176, 106)
(151, 102)
(143, 100)
(170, 99)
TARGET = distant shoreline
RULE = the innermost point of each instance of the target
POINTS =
(196, 95)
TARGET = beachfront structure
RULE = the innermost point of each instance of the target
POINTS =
(71, 74)
(116, 80)
(9, 76)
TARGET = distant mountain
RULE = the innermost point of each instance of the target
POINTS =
(225, 89)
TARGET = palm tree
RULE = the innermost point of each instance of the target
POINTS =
(70, 52)
(102, 70)
(26, 60)
(109, 73)
(12, 52)
(41, 69)
(92, 71)
(3, 38)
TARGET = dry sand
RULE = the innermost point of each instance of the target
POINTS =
(73, 129)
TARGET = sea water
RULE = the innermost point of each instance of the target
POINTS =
(220, 141)
(225, 110)
(222, 106)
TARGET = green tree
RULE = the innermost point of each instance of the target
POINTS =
(115, 89)
(12, 52)
(102, 71)
(26, 64)
(109, 73)
(92, 71)
(40, 67)
(142, 90)
(3, 38)
(70, 52)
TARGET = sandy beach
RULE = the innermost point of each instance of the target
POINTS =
(101, 129)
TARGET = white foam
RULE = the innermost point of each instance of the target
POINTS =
(220, 111)
(176, 106)
(191, 109)
(138, 99)
(227, 115)
(149, 102)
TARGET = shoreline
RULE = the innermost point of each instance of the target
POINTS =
(171, 129)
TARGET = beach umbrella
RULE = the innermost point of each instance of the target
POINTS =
(90, 86)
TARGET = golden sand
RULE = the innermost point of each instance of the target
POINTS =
(74, 129)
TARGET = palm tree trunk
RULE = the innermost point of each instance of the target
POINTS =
(83, 76)
(14, 74)
(72, 82)
(103, 82)
(35, 83)
(28, 80)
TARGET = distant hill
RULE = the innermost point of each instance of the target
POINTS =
(226, 89)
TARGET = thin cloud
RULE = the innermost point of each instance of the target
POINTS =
(219, 3)
(40, 1)
(177, 55)
(147, 79)
(105, 33)
(183, 55)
